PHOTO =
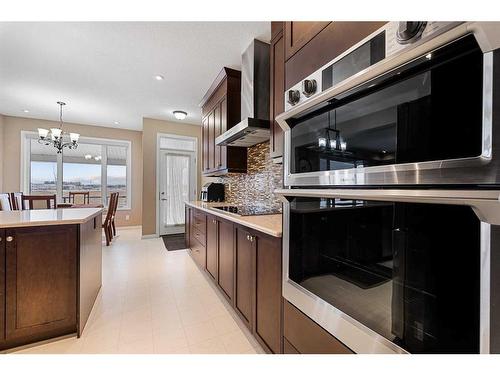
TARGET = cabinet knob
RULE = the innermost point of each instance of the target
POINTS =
(9, 238)
(214, 221)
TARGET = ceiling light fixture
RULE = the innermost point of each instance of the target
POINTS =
(159, 77)
(116, 122)
(55, 135)
(25, 110)
(180, 115)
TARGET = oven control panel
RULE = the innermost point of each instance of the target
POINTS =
(391, 38)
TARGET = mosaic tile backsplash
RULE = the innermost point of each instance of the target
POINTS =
(257, 185)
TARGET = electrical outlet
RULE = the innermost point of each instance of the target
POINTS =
(127, 217)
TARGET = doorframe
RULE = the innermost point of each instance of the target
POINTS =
(159, 136)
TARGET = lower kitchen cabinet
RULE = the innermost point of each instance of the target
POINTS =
(212, 246)
(302, 335)
(245, 275)
(246, 266)
(268, 301)
(226, 258)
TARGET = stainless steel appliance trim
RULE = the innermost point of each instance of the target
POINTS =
(484, 298)
(388, 174)
(352, 333)
(248, 127)
(485, 203)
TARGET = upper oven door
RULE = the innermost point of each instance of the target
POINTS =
(426, 121)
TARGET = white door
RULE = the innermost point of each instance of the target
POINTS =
(177, 179)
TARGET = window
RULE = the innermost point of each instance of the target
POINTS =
(97, 166)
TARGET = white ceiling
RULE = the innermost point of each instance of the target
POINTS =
(105, 71)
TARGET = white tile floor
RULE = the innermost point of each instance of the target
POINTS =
(155, 301)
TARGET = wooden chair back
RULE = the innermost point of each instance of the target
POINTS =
(16, 201)
(5, 204)
(84, 194)
(109, 213)
(33, 198)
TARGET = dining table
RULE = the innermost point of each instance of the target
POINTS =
(80, 205)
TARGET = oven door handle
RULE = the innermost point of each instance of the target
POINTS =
(485, 203)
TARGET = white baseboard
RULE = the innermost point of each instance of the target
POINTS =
(148, 236)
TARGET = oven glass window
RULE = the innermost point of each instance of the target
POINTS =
(410, 272)
(428, 110)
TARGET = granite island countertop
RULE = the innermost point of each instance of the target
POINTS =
(269, 224)
(59, 216)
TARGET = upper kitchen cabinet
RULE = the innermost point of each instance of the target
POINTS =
(277, 88)
(221, 111)
(310, 45)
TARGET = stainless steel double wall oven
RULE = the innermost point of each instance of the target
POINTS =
(392, 185)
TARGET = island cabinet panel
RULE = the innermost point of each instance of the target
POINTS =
(226, 258)
(187, 226)
(303, 335)
(268, 301)
(90, 268)
(2, 286)
(212, 245)
(244, 275)
(41, 283)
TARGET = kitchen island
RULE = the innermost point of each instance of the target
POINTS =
(50, 273)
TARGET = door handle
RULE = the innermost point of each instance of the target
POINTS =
(164, 199)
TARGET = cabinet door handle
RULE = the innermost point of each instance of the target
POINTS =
(9, 238)
(214, 221)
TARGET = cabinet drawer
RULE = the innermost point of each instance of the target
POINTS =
(199, 236)
(200, 221)
(307, 337)
(198, 252)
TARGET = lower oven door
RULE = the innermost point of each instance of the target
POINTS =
(393, 271)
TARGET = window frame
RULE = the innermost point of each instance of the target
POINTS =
(25, 175)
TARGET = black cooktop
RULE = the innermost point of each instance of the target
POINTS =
(249, 210)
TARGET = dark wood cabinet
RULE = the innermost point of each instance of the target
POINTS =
(268, 285)
(187, 226)
(226, 258)
(310, 45)
(198, 237)
(212, 246)
(2, 286)
(303, 335)
(221, 110)
(41, 283)
(244, 275)
(299, 33)
(246, 266)
(277, 89)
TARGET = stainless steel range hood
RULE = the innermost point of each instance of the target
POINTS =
(254, 127)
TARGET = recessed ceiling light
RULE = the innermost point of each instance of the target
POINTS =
(116, 122)
(25, 110)
(180, 115)
(159, 77)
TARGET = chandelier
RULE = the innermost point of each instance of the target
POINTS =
(55, 136)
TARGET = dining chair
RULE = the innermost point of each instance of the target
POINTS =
(107, 224)
(34, 198)
(16, 201)
(5, 204)
(115, 207)
(84, 194)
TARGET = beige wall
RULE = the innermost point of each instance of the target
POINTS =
(1, 153)
(150, 130)
(11, 156)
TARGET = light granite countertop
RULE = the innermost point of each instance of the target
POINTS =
(60, 216)
(269, 224)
